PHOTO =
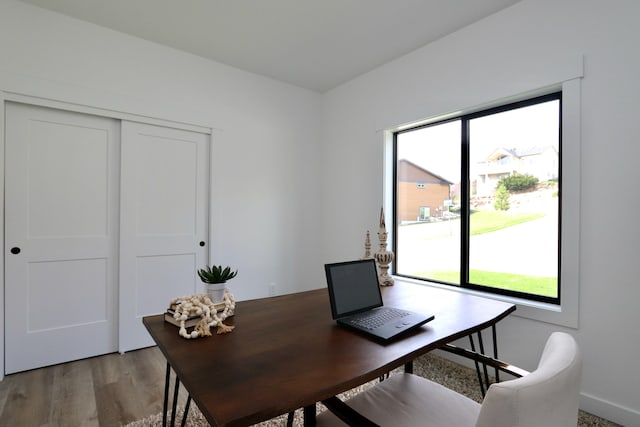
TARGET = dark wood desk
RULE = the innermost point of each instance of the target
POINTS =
(287, 353)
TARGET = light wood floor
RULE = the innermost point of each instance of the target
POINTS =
(109, 390)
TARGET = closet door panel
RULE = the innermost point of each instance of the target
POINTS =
(61, 205)
(164, 217)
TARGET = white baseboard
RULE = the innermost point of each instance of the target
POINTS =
(609, 410)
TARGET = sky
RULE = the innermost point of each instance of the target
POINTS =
(437, 148)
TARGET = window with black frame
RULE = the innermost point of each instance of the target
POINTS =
(477, 200)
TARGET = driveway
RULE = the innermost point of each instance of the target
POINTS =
(530, 248)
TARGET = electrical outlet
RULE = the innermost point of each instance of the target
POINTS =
(272, 289)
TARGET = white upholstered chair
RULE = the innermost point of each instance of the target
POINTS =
(545, 397)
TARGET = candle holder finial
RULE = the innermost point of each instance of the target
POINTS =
(367, 247)
(383, 257)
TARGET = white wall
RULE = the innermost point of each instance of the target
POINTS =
(271, 221)
(265, 145)
(519, 49)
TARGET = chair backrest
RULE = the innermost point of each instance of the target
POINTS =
(547, 396)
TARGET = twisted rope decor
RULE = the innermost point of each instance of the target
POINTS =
(201, 305)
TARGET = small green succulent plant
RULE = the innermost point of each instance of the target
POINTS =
(216, 274)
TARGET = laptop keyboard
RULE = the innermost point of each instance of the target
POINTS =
(377, 318)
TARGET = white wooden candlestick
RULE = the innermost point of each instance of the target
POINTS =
(383, 256)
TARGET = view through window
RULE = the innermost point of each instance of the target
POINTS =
(477, 200)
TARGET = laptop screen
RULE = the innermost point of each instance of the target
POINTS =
(353, 287)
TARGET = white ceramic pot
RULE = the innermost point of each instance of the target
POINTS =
(215, 291)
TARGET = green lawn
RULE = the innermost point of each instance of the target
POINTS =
(545, 286)
(488, 221)
(481, 222)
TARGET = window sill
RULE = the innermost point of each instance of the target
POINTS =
(562, 315)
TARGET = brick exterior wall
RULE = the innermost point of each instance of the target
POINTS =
(418, 188)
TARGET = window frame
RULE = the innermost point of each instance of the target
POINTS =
(466, 180)
(567, 312)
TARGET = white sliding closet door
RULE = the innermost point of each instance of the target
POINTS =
(163, 222)
(61, 224)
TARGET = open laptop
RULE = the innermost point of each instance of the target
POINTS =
(356, 301)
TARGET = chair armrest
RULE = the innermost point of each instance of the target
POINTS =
(490, 361)
(347, 414)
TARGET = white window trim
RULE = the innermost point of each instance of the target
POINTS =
(567, 313)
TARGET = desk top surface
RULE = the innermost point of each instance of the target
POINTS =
(286, 352)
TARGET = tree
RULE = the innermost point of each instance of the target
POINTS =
(501, 201)
(519, 182)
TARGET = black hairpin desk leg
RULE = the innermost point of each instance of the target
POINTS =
(166, 395)
(174, 404)
(186, 412)
(484, 385)
(309, 415)
(473, 348)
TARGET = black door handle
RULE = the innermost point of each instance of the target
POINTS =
(202, 243)
(15, 250)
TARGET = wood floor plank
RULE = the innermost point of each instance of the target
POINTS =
(28, 402)
(119, 403)
(74, 403)
(109, 390)
(130, 386)
(108, 368)
(5, 387)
